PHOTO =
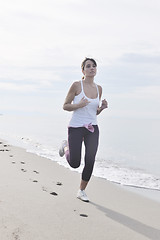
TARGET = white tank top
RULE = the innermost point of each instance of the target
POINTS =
(87, 114)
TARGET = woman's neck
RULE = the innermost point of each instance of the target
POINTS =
(89, 80)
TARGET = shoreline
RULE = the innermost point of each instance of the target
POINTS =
(38, 201)
(153, 194)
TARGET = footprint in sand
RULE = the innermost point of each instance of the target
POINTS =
(5, 149)
(5, 145)
(36, 172)
(52, 193)
(44, 189)
(16, 233)
(22, 162)
(35, 181)
(59, 184)
(83, 215)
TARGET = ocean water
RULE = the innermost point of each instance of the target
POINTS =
(128, 154)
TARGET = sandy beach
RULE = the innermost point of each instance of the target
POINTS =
(38, 202)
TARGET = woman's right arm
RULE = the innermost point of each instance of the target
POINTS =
(68, 105)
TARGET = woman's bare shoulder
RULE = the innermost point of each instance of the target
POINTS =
(77, 87)
(100, 88)
(76, 83)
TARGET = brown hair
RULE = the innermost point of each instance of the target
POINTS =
(85, 60)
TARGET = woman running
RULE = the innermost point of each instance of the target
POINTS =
(83, 99)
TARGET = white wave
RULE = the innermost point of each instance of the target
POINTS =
(127, 176)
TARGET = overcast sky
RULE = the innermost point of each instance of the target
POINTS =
(42, 44)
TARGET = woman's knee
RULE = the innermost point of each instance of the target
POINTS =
(74, 163)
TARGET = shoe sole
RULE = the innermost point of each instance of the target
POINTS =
(61, 154)
(61, 150)
(82, 199)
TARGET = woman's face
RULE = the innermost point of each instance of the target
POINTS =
(90, 69)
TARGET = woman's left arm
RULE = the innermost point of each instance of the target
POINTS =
(104, 102)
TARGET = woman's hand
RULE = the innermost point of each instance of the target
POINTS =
(83, 102)
(104, 104)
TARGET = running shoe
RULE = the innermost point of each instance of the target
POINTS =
(82, 196)
(61, 150)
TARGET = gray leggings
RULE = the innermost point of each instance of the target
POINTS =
(75, 138)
